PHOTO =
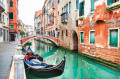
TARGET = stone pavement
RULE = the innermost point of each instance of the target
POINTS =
(7, 50)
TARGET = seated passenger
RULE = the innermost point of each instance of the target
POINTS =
(29, 55)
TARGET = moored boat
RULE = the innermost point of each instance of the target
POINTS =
(44, 71)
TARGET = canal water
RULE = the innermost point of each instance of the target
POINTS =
(76, 67)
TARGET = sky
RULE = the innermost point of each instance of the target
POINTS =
(27, 9)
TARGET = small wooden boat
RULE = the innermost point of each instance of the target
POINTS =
(45, 71)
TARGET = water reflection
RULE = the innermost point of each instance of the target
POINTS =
(76, 67)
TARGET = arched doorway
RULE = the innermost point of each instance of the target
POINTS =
(75, 41)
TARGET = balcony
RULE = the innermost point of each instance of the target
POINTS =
(64, 17)
(2, 7)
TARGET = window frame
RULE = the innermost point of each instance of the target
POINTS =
(77, 4)
(92, 5)
(62, 33)
(9, 16)
(89, 37)
(112, 2)
(70, 7)
(11, 28)
(82, 11)
(12, 3)
(80, 37)
(109, 37)
(66, 32)
(1, 32)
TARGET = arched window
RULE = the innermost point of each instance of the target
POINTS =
(11, 15)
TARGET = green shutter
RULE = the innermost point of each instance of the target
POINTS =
(109, 2)
(114, 38)
(82, 37)
(80, 9)
(11, 4)
(92, 37)
(92, 5)
(83, 8)
(3, 35)
(11, 26)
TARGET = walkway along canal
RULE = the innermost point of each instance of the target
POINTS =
(76, 66)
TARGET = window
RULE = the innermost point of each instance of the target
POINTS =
(76, 23)
(114, 38)
(58, 1)
(62, 10)
(92, 5)
(62, 32)
(110, 2)
(82, 37)
(11, 26)
(7, 35)
(3, 35)
(77, 4)
(3, 18)
(11, 15)
(11, 4)
(66, 32)
(81, 9)
(69, 7)
(0, 31)
(92, 37)
(0, 16)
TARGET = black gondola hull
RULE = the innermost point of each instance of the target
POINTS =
(47, 72)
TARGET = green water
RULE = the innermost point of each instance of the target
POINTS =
(76, 67)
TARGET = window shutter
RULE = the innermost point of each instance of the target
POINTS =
(92, 37)
(11, 4)
(82, 37)
(77, 4)
(114, 38)
(83, 8)
(109, 2)
(80, 9)
(92, 5)
(69, 7)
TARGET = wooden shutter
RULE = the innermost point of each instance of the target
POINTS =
(109, 2)
(80, 9)
(92, 5)
(92, 37)
(82, 37)
(114, 38)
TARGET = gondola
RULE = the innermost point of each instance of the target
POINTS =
(44, 71)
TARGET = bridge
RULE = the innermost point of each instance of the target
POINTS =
(52, 39)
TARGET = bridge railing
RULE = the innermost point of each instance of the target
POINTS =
(24, 37)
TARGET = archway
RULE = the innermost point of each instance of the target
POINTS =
(75, 41)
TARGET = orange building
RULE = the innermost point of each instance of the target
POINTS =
(13, 17)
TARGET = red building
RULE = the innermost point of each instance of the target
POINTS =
(13, 17)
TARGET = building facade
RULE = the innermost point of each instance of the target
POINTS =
(29, 30)
(88, 26)
(50, 17)
(93, 29)
(13, 19)
(4, 21)
(21, 25)
(38, 22)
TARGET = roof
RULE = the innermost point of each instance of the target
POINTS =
(39, 12)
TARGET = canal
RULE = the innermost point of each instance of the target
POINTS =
(76, 67)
